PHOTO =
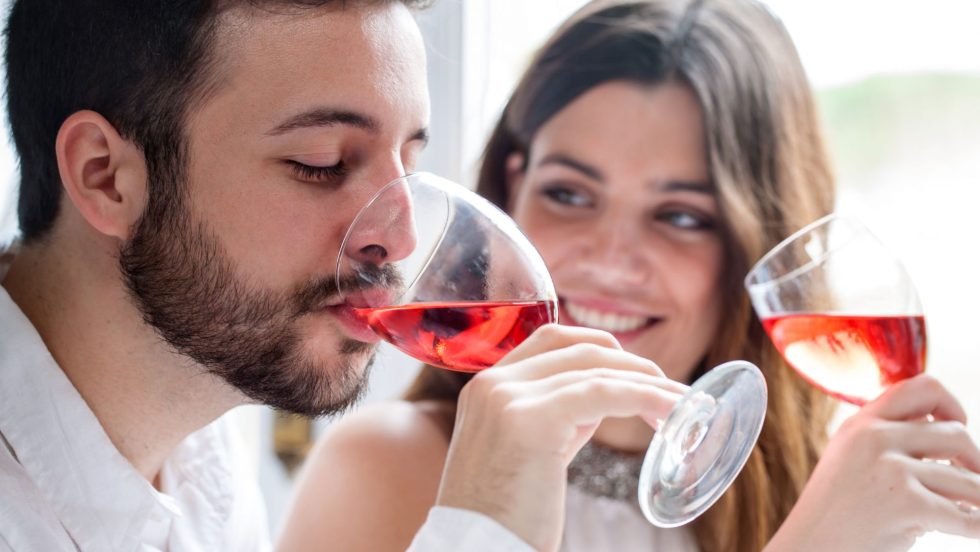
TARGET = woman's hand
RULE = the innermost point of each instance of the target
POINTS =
(878, 485)
(519, 424)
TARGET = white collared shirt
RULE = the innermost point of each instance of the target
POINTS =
(65, 487)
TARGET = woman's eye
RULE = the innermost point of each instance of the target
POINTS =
(686, 221)
(567, 196)
(311, 173)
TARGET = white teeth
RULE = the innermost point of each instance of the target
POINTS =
(605, 321)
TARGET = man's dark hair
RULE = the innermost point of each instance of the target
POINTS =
(141, 64)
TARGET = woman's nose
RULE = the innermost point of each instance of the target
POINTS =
(614, 255)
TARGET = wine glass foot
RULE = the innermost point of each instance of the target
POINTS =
(702, 446)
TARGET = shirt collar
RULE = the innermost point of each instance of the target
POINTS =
(100, 498)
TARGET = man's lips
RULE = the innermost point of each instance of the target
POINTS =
(352, 323)
(348, 311)
(367, 298)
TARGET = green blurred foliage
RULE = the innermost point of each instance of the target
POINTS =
(904, 120)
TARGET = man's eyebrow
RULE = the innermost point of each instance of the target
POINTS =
(325, 117)
(574, 164)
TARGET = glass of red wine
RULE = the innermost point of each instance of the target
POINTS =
(464, 287)
(470, 290)
(841, 309)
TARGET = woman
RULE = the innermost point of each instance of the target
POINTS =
(652, 152)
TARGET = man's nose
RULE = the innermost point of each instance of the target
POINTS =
(385, 231)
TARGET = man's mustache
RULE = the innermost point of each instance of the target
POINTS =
(314, 295)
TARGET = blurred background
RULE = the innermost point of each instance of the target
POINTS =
(899, 89)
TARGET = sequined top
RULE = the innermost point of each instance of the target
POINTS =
(601, 508)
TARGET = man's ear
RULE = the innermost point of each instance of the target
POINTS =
(514, 165)
(103, 174)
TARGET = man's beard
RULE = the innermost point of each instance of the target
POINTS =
(185, 285)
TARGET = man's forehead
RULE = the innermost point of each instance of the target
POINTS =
(276, 64)
(249, 27)
(340, 35)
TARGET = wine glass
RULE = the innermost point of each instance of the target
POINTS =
(458, 286)
(841, 309)
(470, 288)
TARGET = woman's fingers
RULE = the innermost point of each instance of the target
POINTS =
(952, 482)
(917, 398)
(948, 516)
(939, 441)
(875, 472)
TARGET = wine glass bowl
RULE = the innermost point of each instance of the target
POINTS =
(841, 309)
(462, 287)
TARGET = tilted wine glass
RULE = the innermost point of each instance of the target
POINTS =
(469, 287)
(841, 309)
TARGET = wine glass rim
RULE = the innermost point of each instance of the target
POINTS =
(782, 245)
(452, 189)
(431, 179)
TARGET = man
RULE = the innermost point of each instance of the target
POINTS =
(188, 170)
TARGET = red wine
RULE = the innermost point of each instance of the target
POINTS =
(465, 336)
(853, 358)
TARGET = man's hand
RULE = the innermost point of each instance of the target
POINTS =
(519, 424)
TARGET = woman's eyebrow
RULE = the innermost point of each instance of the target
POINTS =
(574, 164)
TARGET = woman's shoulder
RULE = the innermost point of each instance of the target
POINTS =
(393, 432)
(378, 467)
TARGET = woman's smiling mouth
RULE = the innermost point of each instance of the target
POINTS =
(613, 321)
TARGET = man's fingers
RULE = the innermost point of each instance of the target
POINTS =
(552, 336)
(590, 400)
(563, 379)
(580, 356)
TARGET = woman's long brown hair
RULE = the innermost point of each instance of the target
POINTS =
(771, 175)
